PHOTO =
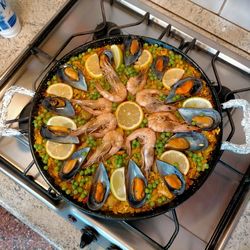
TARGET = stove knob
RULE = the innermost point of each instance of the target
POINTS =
(89, 234)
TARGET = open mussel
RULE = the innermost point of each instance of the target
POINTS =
(192, 141)
(159, 66)
(100, 188)
(184, 89)
(133, 49)
(73, 164)
(135, 185)
(73, 77)
(172, 177)
(205, 119)
(59, 106)
(58, 134)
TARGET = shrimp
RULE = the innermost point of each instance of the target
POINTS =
(95, 107)
(150, 99)
(111, 144)
(118, 92)
(168, 122)
(137, 83)
(148, 139)
(97, 126)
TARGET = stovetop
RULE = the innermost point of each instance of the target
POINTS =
(200, 215)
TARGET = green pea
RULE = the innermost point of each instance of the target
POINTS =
(89, 50)
(205, 166)
(79, 190)
(64, 188)
(147, 190)
(68, 191)
(163, 198)
(154, 185)
(152, 204)
(85, 192)
(45, 167)
(82, 195)
(75, 192)
(81, 184)
(159, 200)
(148, 196)
(150, 186)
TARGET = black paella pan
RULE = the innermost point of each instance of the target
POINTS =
(142, 215)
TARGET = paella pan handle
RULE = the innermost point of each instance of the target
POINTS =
(5, 130)
(237, 148)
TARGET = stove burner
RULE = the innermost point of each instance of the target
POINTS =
(225, 95)
(25, 113)
(104, 31)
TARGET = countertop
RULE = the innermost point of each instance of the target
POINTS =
(34, 15)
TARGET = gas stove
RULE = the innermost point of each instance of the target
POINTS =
(204, 221)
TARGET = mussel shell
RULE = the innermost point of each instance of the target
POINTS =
(80, 156)
(158, 73)
(134, 171)
(80, 84)
(165, 169)
(197, 141)
(102, 177)
(195, 89)
(188, 114)
(128, 57)
(49, 135)
(50, 103)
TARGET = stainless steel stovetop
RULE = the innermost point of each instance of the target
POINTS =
(200, 215)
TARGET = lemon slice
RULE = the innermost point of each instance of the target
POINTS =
(60, 89)
(57, 150)
(117, 184)
(176, 158)
(129, 115)
(197, 102)
(118, 55)
(93, 67)
(144, 61)
(62, 121)
(171, 76)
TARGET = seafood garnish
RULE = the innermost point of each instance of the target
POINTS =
(98, 126)
(111, 144)
(133, 50)
(191, 141)
(150, 99)
(159, 66)
(118, 92)
(73, 77)
(95, 107)
(147, 138)
(59, 106)
(135, 185)
(183, 89)
(172, 177)
(58, 134)
(137, 83)
(205, 119)
(167, 122)
(73, 164)
(100, 188)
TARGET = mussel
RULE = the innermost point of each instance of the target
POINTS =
(100, 188)
(192, 141)
(59, 106)
(73, 77)
(58, 134)
(205, 119)
(73, 164)
(135, 185)
(159, 66)
(184, 89)
(133, 49)
(172, 177)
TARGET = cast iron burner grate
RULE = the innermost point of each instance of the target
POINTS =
(104, 32)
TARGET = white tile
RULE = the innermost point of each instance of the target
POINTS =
(237, 12)
(212, 5)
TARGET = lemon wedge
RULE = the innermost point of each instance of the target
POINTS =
(118, 55)
(117, 184)
(197, 102)
(178, 159)
(144, 61)
(93, 67)
(172, 76)
(60, 89)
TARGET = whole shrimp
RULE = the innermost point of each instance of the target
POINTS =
(111, 144)
(118, 92)
(95, 107)
(168, 122)
(147, 137)
(150, 99)
(137, 83)
(98, 126)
